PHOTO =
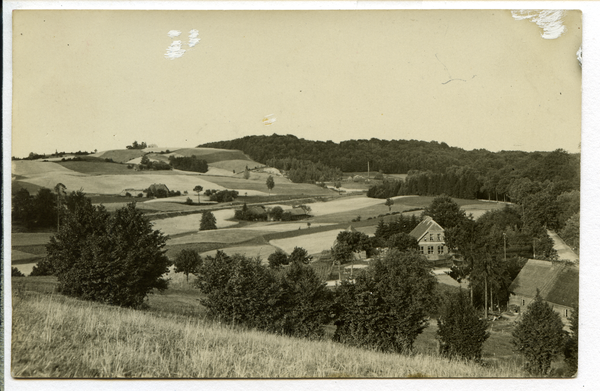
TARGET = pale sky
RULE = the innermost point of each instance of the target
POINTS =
(86, 80)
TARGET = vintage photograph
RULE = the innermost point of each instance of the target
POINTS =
(295, 194)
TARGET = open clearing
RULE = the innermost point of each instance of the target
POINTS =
(262, 251)
(29, 239)
(191, 223)
(226, 235)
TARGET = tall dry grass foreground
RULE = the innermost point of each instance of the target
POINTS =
(55, 336)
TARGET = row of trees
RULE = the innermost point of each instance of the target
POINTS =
(136, 145)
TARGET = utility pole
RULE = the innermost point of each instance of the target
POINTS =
(368, 170)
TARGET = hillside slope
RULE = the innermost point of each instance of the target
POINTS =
(55, 336)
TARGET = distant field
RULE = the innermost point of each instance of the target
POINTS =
(262, 251)
(30, 239)
(239, 165)
(212, 155)
(121, 155)
(99, 168)
(227, 235)
(191, 223)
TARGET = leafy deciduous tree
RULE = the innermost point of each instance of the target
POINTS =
(539, 336)
(389, 202)
(300, 255)
(460, 330)
(198, 189)
(111, 258)
(187, 262)
(270, 183)
(387, 306)
(445, 212)
(277, 259)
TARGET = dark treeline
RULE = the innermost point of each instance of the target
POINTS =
(305, 171)
(188, 163)
(396, 156)
(434, 168)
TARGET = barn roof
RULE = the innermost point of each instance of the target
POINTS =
(558, 282)
(298, 212)
(424, 226)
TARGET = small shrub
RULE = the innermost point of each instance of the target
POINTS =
(189, 201)
(278, 259)
(43, 268)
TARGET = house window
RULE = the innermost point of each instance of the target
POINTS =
(439, 237)
(567, 313)
(523, 302)
(429, 249)
(431, 237)
(422, 250)
(440, 249)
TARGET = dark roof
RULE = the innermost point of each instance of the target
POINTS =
(558, 282)
(298, 212)
(256, 210)
(423, 227)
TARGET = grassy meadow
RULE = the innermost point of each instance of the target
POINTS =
(56, 336)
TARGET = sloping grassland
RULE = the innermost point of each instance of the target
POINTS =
(55, 336)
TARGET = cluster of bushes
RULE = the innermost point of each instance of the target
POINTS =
(305, 171)
(240, 290)
(38, 211)
(253, 214)
(221, 195)
(147, 164)
(188, 163)
(135, 145)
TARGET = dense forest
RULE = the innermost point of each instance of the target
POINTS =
(433, 168)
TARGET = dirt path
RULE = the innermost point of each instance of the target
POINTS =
(563, 250)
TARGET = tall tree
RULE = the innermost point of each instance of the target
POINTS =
(187, 262)
(445, 212)
(270, 183)
(208, 221)
(539, 336)
(111, 258)
(388, 305)
(461, 331)
(198, 189)
(389, 202)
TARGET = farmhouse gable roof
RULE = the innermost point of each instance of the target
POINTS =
(558, 282)
(428, 224)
